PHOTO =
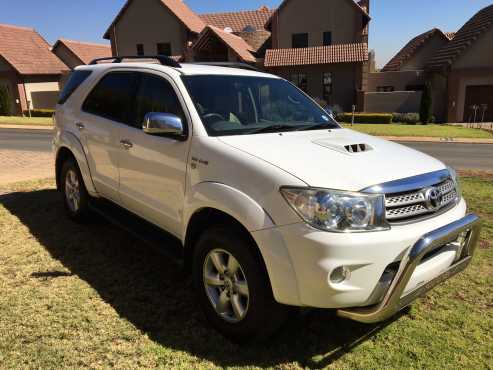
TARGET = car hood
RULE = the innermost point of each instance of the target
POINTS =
(338, 159)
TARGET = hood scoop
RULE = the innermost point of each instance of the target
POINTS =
(342, 146)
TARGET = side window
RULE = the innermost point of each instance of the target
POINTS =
(75, 80)
(113, 96)
(155, 94)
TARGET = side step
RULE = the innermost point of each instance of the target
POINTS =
(150, 234)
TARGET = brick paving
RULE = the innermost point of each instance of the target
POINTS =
(16, 166)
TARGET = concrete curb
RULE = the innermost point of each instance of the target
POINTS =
(442, 140)
(27, 127)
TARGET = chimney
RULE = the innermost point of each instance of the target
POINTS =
(365, 4)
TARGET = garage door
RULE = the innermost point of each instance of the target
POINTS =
(481, 96)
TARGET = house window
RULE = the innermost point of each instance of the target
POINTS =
(327, 38)
(140, 49)
(327, 86)
(164, 48)
(385, 88)
(300, 40)
(300, 80)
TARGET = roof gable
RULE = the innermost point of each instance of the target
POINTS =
(412, 48)
(27, 52)
(85, 51)
(182, 12)
(464, 38)
(356, 6)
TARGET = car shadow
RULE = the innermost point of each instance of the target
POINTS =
(152, 292)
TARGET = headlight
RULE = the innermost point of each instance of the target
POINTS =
(455, 178)
(338, 211)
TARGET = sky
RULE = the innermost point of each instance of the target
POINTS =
(394, 22)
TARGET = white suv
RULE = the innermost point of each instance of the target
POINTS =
(275, 204)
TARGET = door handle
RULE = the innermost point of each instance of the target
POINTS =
(126, 144)
(80, 126)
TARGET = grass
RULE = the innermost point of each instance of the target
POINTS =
(90, 295)
(441, 131)
(34, 121)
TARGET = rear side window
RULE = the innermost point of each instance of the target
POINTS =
(156, 95)
(113, 97)
(75, 80)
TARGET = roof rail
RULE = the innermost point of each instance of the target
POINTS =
(163, 59)
(230, 65)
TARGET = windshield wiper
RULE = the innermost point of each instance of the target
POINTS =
(318, 126)
(274, 128)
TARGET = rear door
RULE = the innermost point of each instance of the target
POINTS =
(153, 168)
(106, 110)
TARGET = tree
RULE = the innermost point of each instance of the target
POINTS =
(425, 110)
(4, 101)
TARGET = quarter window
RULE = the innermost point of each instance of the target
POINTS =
(75, 80)
(113, 96)
(300, 40)
(155, 94)
(300, 80)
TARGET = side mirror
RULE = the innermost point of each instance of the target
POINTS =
(163, 124)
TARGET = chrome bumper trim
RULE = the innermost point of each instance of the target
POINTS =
(393, 300)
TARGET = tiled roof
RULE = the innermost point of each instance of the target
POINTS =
(238, 21)
(344, 53)
(283, 4)
(410, 49)
(464, 38)
(178, 7)
(235, 43)
(85, 51)
(27, 52)
(255, 39)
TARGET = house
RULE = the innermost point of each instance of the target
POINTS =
(398, 86)
(462, 71)
(327, 56)
(76, 53)
(29, 70)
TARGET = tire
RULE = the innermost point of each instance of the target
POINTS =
(74, 192)
(257, 315)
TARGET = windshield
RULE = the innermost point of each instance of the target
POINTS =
(243, 105)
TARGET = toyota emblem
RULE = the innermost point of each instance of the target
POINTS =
(433, 198)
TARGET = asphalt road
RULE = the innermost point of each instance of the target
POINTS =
(459, 156)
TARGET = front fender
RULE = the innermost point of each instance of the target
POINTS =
(71, 142)
(228, 200)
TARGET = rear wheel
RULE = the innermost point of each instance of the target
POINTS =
(75, 196)
(233, 288)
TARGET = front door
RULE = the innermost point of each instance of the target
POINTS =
(153, 168)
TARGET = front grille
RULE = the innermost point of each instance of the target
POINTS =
(418, 203)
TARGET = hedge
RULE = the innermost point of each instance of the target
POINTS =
(40, 113)
(376, 118)
(407, 118)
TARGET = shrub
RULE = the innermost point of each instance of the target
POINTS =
(425, 110)
(375, 118)
(4, 101)
(407, 118)
(40, 113)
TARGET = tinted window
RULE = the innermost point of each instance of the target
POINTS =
(300, 40)
(155, 94)
(113, 97)
(75, 80)
(236, 105)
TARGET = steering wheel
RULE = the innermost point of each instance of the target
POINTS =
(208, 117)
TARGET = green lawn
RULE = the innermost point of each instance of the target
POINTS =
(90, 295)
(36, 121)
(441, 131)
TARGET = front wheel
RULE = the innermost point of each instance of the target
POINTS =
(233, 288)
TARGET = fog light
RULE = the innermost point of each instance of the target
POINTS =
(340, 275)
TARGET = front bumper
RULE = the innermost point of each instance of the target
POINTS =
(395, 298)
